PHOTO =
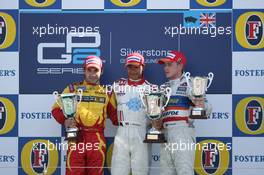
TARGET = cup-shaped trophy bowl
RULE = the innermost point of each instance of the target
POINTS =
(154, 104)
(68, 103)
(198, 86)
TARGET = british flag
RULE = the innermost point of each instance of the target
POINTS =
(207, 20)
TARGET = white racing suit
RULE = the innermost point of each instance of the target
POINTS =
(177, 155)
(129, 152)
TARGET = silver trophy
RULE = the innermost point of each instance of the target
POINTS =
(198, 87)
(154, 104)
(68, 103)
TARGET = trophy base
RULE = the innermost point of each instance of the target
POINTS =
(198, 114)
(71, 133)
(155, 138)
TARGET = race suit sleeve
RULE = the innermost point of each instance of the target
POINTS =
(56, 110)
(111, 108)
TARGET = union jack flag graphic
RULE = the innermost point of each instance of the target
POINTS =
(207, 20)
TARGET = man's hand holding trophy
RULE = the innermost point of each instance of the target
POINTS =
(198, 87)
(154, 103)
(68, 103)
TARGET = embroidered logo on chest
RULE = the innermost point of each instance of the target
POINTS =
(134, 104)
(182, 89)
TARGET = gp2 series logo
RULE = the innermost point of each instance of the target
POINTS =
(249, 30)
(249, 115)
(36, 158)
(71, 47)
(7, 30)
(212, 158)
(7, 115)
(75, 52)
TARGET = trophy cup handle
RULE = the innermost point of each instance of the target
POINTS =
(210, 78)
(187, 75)
(141, 95)
(167, 94)
(80, 93)
(56, 95)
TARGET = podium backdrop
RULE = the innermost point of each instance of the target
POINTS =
(43, 44)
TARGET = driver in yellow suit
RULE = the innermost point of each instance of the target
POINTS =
(90, 118)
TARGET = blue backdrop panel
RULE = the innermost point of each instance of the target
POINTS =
(120, 33)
